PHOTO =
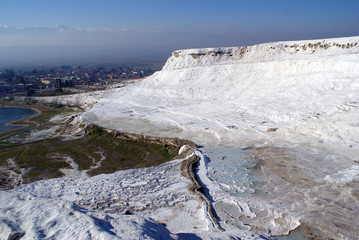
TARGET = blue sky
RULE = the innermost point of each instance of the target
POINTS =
(142, 13)
(174, 24)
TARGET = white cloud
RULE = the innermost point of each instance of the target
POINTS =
(58, 28)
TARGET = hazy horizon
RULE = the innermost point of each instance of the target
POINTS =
(56, 32)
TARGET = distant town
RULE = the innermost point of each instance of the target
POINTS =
(67, 79)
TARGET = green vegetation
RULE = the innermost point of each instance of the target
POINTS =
(43, 159)
(39, 121)
(46, 116)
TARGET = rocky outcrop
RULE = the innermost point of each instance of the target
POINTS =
(188, 170)
(176, 142)
(258, 53)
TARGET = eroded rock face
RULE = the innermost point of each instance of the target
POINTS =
(176, 142)
(263, 52)
(232, 96)
(11, 175)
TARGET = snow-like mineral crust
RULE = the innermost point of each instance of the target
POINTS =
(122, 205)
(279, 123)
(219, 95)
(294, 104)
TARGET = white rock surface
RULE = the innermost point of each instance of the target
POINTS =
(295, 104)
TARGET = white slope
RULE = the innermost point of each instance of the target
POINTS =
(24, 216)
(226, 97)
(122, 205)
(305, 88)
(295, 104)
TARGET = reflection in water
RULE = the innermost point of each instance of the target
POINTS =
(274, 190)
(12, 114)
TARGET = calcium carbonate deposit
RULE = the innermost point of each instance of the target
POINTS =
(278, 125)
